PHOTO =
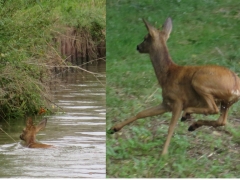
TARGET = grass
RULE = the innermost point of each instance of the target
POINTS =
(204, 32)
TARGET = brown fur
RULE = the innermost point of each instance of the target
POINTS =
(191, 89)
(29, 134)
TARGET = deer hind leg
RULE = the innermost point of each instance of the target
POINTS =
(185, 116)
(220, 122)
(157, 110)
(211, 107)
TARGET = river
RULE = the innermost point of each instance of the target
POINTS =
(76, 130)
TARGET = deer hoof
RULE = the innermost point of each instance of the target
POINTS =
(183, 118)
(111, 131)
(188, 116)
(191, 128)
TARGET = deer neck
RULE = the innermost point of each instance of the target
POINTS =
(161, 61)
(31, 141)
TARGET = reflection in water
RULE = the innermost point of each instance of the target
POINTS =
(77, 132)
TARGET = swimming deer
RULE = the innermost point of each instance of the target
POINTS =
(29, 134)
(191, 89)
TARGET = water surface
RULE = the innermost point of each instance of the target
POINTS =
(77, 131)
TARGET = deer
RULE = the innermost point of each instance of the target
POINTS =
(186, 90)
(29, 134)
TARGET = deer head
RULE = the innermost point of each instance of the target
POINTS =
(29, 134)
(155, 37)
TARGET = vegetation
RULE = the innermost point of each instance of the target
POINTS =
(204, 32)
(27, 50)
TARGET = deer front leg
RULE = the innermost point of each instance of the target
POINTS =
(157, 110)
(176, 113)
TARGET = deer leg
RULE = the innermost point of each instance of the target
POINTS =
(185, 116)
(210, 109)
(220, 122)
(157, 110)
(176, 113)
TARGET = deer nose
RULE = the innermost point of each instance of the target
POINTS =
(137, 48)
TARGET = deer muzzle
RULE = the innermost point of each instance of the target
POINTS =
(138, 49)
(141, 49)
(21, 137)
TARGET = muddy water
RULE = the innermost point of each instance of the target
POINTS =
(77, 131)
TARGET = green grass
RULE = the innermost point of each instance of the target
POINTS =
(204, 32)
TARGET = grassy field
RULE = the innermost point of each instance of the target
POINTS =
(204, 32)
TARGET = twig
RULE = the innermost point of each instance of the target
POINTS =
(99, 81)
(219, 51)
(211, 154)
(53, 103)
(72, 67)
(8, 135)
(77, 67)
(151, 95)
(103, 58)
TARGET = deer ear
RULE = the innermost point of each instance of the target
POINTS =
(152, 30)
(41, 125)
(167, 27)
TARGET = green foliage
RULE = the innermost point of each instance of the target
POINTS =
(204, 32)
(82, 13)
(27, 28)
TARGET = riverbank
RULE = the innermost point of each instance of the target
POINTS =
(33, 40)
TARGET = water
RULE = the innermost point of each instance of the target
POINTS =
(77, 131)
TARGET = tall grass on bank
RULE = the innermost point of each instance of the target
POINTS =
(204, 32)
(27, 51)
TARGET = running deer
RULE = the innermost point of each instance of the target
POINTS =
(192, 89)
(29, 134)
